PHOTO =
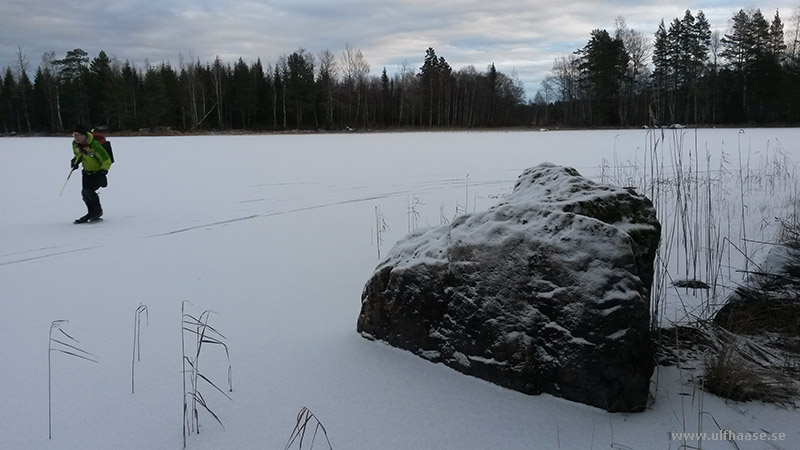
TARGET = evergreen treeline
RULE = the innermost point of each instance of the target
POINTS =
(685, 74)
(299, 92)
(688, 75)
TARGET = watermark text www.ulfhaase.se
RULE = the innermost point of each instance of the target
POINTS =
(728, 435)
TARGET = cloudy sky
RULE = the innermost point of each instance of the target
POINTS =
(521, 37)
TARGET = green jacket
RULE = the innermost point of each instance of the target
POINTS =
(93, 155)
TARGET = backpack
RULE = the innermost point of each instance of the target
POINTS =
(101, 138)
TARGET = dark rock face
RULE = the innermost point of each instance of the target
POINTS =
(547, 291)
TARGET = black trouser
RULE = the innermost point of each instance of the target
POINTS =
(91, 183)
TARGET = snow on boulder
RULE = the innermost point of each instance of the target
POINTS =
(546, 292)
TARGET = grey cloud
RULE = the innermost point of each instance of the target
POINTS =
(523, 36)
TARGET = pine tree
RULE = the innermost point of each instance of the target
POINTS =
(661, 73)
(429, 80)
(737, 50)
(300, 92)
(261, 87)
(133, 88)
(435, 78)
(24, 95)
(603, 64)
(698, 44)
(73, 73)
(386, 99)
(735, 46)
(278, 98)
(154, 99)
(8, 104)
(491, 82)
(754, 50)
(99, 80)
(243, 96)
(777, 44)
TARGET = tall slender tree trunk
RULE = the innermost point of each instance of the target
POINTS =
(58, 110)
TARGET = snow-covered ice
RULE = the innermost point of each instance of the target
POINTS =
(277, 235)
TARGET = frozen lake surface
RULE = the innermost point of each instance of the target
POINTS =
(277, 235)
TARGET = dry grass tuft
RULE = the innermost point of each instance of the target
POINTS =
(304, 418)
(736, 367)
(731, 374)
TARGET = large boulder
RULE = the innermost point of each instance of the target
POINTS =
(548, 291)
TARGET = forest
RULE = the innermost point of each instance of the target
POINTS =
(683, 74)
(686, 74)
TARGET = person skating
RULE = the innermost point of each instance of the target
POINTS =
(96, 162)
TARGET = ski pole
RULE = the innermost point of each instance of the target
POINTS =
(65, 183)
